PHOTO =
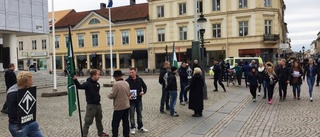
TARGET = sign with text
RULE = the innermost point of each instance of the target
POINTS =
(27, 106)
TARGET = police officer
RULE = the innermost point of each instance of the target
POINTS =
(217, 76)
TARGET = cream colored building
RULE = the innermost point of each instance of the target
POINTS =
(34, 49)
(234, 28)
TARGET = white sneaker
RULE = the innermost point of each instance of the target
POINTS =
(143, 129)
(311, 99)
(133, 131)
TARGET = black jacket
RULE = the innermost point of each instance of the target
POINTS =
(283, 74)
(253, 79)
(12, 102)
(138, 85)
(217, 71)
(307, 71)
(92, 89)
(10, 78)
(172, 82)
(183, 75)
(270, 81)
(161, 80)
(194, 66)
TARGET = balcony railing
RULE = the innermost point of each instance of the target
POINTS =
(271, 37)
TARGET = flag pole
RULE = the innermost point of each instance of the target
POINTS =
(78, 102)
(54, 50)
(110, 40)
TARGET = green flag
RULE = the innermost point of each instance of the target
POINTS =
(71, 73)
(174, 57)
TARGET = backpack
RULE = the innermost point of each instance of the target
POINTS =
(165, 78)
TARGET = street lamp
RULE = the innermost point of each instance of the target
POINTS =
(202, 23)
(300, 54)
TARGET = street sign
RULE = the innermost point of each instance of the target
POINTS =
(284, 46)
(27, 105)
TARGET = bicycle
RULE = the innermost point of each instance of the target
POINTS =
(232, 78)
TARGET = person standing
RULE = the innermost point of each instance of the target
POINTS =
(121, 95)
(283, 73)
(196, 93)
(172, 89)
(139, 88)
(295, 80)
(93, 109)
(262, 82)
(311, 72)
(271, 80)
(31, 129)
(165, 94)
(238, 70)
(10, 79)
(318, 76)
(246, 71)
(253, 80)
(217, 76)
(183, 83)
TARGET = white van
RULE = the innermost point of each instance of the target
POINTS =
(233, 60)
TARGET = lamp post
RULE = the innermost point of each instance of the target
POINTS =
(202, 22)
(300, 54)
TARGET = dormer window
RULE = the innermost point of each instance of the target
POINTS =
(94, 21)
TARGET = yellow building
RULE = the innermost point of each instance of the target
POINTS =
(90, 37)
(234, 28)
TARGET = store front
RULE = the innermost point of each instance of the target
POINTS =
(140, 59)
(107, 61)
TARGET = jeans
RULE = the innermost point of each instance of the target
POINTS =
(283, 90)
(270, 91)
(173, 99)
(164, 99)
(119, 115)
(136, 106)
(296, 90)
(183, 94)
(93, 112)
(253, 91)
(30, 130)
(264, 84)
(310, 81)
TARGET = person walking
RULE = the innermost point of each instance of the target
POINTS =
(137, 88)
(253, 80)
(93, 109)
(318, 76)
(311, 72)
(295, 80)
(246, 71)
(183, 83)
(31, 129)
(120, 94)
(271, 80)
(283, 73)
(172, 89)
(217, 76)
(10, 79)
(196, 93)
(262, 82)
(165, 94)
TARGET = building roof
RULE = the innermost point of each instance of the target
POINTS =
(58, 15)
(124, 13)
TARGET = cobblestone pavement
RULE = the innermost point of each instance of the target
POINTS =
(289, 118)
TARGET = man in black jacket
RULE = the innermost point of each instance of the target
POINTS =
(165, 95)
(217, 76)
(283, 72)
(137, 88)
(92, 88)
(183, 83)
(172, 88)
(10, 80)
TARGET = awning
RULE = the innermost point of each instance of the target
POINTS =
(139, 54)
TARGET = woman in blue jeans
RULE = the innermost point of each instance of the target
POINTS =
(311, 72)
(295, 80)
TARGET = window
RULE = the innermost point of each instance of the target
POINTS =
(182, 8)
(95, 39)
(94, 21)
(243, 3)
(67, 39)
(112, 38)
(243, 28)
(199, 7)
(161, 35)
(267, 3)
(140, 36)
(20, 45)
(160, 11)
(216, 30)
(125, 37)
(57, 42)
(183, 33)
(267, 26)
(44, 44)
(81, 41)
(215, 5)
(34, 45)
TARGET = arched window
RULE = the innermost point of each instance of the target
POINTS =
(94, 21)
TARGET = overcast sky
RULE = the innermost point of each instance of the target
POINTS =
(303, 18)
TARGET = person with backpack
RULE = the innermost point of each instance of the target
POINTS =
(165, 95)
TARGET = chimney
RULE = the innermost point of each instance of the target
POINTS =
(132, 2)
(103, 6)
